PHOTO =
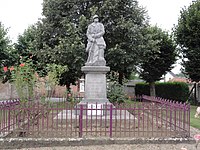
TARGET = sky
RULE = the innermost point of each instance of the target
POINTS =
(17, 15)
(164, 13)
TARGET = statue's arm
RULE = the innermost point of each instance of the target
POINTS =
(89, 35)
(101, 33)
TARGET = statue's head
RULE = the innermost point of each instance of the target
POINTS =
(96, 18)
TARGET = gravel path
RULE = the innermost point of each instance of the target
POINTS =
(128, 146)
(125, 147)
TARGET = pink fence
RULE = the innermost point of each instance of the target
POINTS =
(146, 117)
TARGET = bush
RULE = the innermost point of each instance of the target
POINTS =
(115, 93)
(177, 91)
(142, 89)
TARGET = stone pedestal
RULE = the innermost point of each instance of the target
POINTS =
(95, 84)
(95, 90)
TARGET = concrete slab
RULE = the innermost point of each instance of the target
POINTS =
(117, 114)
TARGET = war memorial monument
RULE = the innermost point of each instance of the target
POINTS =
(95, 68)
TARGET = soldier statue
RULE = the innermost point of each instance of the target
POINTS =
(96, 44)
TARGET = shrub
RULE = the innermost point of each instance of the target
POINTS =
(178, 91)
(116, 93)
(24, 79)
(142, 89)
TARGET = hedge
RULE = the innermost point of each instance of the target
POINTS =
(177, 91)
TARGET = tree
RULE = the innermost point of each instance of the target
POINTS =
(26, 47)
(59, 40)
(187, 34)
(124, 21)
(5, 45)
(6, 57)
(26, 42)
(62, 35)
(61, 50)
(158, 57)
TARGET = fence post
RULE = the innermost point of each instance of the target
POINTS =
(184, 116)
(175, 115)
(81, 121)
(9, 119)
(188, 119)
(171, 111)
(111, 110)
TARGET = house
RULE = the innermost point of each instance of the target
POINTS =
(168, 76)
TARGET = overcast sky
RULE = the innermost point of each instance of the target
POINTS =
(164, 13)
(17, 15)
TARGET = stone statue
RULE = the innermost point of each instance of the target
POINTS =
(96, 44)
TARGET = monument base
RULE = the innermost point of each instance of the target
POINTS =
(95, 90)
(95, 83)
(91, 108)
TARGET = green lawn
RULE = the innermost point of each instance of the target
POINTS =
(194, 122)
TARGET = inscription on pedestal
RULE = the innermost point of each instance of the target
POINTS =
(95, 86)
(95, 83)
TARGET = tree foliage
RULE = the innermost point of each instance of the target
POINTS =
(6, 51)
(26, 47)
(158, 57)
(124, 21)
(62, 32)
(187, 34)
(5, 46)
(25, 43)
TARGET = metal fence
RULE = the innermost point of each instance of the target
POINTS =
(143, 117)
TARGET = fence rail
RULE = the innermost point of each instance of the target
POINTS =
(7, 103)
(147, 117)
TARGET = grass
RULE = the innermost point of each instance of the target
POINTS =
(194, 122)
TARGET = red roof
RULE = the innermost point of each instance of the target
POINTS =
(180, 79)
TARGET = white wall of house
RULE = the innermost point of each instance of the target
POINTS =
(82, 85)
(167, 77)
